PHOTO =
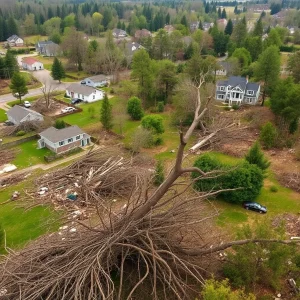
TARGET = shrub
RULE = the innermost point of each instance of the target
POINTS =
(256, 156)
(158, 141)
(59, 124)
(134, 108)
(153, 123)
(142, 138)
(160, 107)
(293, 126)
(20, 133)
(159, 176)
(247, 179)
(268, 135)
(235, 107)
(153, 109)
(273, 189)
(112, 91)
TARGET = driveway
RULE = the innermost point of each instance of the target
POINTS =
(44, 76)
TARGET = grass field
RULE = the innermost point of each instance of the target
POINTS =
(33, 39)
(22, 226)
(28, 155)
(3, 116)
(30, 99)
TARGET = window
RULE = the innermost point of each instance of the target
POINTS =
(61, 143)
(221, 88)
(70, 140)
(78, 137)
(94, 97)
(220, 97)
(250, 92)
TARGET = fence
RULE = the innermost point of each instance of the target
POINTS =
(18, 142)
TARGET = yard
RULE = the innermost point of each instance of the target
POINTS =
(31, 82)
(23, 226)
(3, 116)
(28, 155)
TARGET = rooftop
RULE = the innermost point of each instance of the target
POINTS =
(81, 89)
(20, 112)
(29, 60)
(56, 135)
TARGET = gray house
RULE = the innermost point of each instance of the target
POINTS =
(63, 140)
(119, 33)
(224, 68)
(96, 81)
(19, 114)
(237, 90)
(47, 48)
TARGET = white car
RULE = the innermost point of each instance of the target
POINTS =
(27, 104)
(67, 109)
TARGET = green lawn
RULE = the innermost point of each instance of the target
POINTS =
(8, 139)
(84, 118)
(3, 116)
(30, 99)
(28, 155)
(22, 226)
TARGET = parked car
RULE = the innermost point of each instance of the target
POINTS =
(67, 109)
(76, 101)
(27, 104)
(8, 123)
(255, 206)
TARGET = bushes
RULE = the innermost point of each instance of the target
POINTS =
(20, 133)
(268, 135)
(153, 123)
(247, 179)
(160, 106)
(256, 156)
(59, 124)
(159, 176)
(134, 108)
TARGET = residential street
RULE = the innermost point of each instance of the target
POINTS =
(43, 76)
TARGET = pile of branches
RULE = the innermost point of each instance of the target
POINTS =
(7, 156)
(290, 180)
(96, 177)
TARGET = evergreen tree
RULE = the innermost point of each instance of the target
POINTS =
(224, 15)
(168, 19)
(12, 26)
(184, 21)
(255, 156)
(229, 27)
(159, 176)
(106, 114)
(207, 8)
(219, 13)
(11, 64)
(58, 71)
(18, 86)
(235, 10)
(258, 29)
(200, 25)
(119, 25)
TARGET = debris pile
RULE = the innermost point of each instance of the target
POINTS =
(291, 180)
(291, 223)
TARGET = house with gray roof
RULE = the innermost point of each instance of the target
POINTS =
(96, 81)
(119, 33)
(15, 41)
(224, 68)
(47, 48)
(84, 92)
(19, 114)
(237, 90)
(63, 140)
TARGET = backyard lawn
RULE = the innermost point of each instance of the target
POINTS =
(22, 226)
(28, 155)
(3, 116)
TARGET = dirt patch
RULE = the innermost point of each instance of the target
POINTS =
(291, 223)
(54, 109)
(7, 156)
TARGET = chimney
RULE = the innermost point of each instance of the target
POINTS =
(247, 78)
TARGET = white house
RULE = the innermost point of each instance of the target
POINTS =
(63, 140)
(237, 90)
(194, 25)
(96, 81)
(47, 48)
(119, 33)
(19, 114)
(85, 93)
(224, 68)
(31, 64)
(15, 41)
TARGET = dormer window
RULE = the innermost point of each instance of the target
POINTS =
(250, 93)
(222, 88)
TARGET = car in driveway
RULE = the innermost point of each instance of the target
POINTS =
(255, 207)
(27, 104)
(76, 101)
(67, 109)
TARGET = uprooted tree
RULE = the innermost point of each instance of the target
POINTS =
(157, 244)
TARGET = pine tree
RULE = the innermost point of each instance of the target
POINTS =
(159, 176)
(57, 71)
(219, 13)
(229, 27)
(106, 114)
(200, 25)
(255, 156)
(11, 64)
(224, 15)
(119, 25)
(18, 86)
(258, 29)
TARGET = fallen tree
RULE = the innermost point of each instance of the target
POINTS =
(157, 244)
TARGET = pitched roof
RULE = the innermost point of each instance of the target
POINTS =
(142, 33)
(252, 86)
(81, 89)
(118, 31)
(132, 47)
(18, 113)
(56, 135)
(44, 43)
(29, 60)
(12, 38)
(237, 81)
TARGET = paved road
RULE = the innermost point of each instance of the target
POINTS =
(43, 76)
